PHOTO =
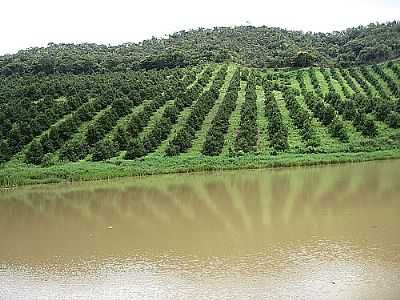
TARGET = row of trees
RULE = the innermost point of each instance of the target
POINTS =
(382, 106)
(147, 144)
(349, 80)
(323, 111)
(326, 74)
(315, 82)
(339, 79)
(246, 138)
(63, 130)
(219, 126)
(93, 140)
(127, 137)
(184, 138)
(22, 132)
(365, 86)
(301, 118)
(327, 115)
(355, 110)
(396, 71)
(277, 129)
(374, 81)
(395, 68)
(121, 99)
(391, 83)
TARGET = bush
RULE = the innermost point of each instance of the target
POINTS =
(35, 154)
(393, 119)
(277, 130)
(338, 130)
(121, 138)
(5, 153)
(135, 149)
(365, 125)
(104, 150)
(74, 150)
(49, 159)
(246, 139)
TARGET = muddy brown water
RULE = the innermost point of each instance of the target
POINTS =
(328, 232)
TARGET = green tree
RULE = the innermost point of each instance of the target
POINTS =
(104, 150)
(5, 153)
(303, 59)
(35, 154)
(135, 149)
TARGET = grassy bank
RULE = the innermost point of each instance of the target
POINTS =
(16, 173)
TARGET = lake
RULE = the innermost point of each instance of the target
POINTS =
(330, 232)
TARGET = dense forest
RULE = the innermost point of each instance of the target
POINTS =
(247, 45)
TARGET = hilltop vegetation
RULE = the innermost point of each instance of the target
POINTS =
(246, 45)
(197, 117)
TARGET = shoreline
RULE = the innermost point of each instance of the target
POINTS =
(15, 175)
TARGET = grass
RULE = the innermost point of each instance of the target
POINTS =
(15, 173)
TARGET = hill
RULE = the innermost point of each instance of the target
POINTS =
(211, 116)
(246, 45)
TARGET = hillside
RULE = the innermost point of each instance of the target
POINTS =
(246, 45)
(203, 117)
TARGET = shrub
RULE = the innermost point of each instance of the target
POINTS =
(338, 130)
(104, 150)
(74, 150)
(35, 154)
(135, 149)
(393, 119)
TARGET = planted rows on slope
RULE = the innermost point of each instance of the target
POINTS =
(142, 146)
(219, 126)
(184, 138)
(246, 139)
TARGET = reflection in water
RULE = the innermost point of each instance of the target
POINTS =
(324, 232)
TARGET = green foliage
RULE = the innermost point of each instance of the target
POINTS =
(49, 159)
(247, 45)
(277, 130)
(246, 139)
(315, 82)
(74, 150)
(303, 59)
(183, 139)
(338, 130)
(392, 84)
(4, 152)
(104, 150)
(216, 134)
(35, 154)
(321, 110)
(365, 124)
(135, 149)
(300, 118)
(71, 117)
(121, 138)
(393, 119)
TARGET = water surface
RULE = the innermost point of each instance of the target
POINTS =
(305, 233)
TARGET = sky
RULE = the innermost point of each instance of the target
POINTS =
(31, 23)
